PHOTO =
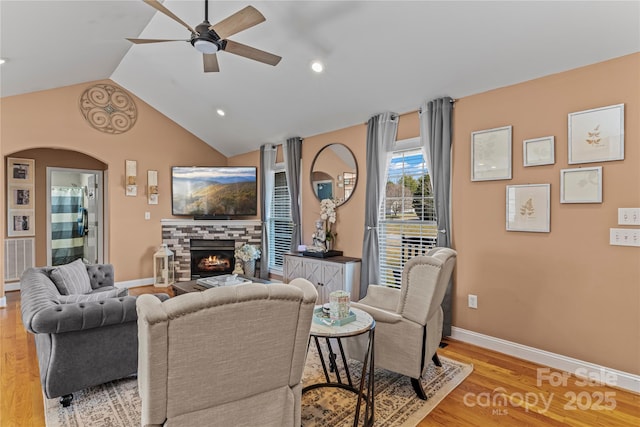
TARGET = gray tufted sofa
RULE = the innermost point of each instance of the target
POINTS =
(80, 344)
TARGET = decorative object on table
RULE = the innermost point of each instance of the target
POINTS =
(131, 172)
(248, 254)
(323, 317)
(538, 151)
(581, 185)
(152, 187)
(529, 207)
(319, 238)
(108, 108)
(222, 280)
(328, 214)
(491, 154)
(339, 303)
(20, 197)
(324, 238)
(596, 135)
(163, 262)
(237, 269)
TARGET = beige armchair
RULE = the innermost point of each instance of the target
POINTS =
(226, 356)
(409, 319)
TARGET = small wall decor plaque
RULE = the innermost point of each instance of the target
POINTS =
(131, 167)
(108, 108)
(152, 187)
(596, 135)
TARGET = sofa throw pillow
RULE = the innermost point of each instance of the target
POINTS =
(71, 278)
(96, 296)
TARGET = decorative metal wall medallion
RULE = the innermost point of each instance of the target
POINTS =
(108, 108)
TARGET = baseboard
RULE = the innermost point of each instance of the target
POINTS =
(3, 302)
(580, 368)
(13, 286)
(135, 283)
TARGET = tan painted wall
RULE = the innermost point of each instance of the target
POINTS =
(567, 291)
(52, 119)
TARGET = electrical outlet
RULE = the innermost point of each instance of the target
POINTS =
(628, 216)
(624, 236)
(147, 215)
(473, 301)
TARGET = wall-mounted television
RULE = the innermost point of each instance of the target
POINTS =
(214, 192)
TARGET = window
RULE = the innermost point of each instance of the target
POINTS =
(407, 226)
(280, 224)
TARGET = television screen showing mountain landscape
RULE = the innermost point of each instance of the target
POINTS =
(202, 190)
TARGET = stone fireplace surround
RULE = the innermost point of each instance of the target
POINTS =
(178, 233)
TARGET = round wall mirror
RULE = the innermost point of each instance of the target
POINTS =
(334, 173)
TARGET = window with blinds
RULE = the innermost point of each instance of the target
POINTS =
(407, 224)
(280, 224)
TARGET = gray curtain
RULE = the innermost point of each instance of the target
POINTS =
(292, 155)
(381, 135)
(435, 133)
(267, 161)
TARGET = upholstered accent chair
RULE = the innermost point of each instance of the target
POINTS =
(231, 355)
(409, 319)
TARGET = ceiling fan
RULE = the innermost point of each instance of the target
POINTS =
(209, 39)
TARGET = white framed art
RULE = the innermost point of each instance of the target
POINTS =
(596, 135)
(491, 154)
(21, 223)
(581, 185)
(538, 151)
(529, 208)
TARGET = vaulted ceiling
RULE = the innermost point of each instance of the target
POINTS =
(378, 56)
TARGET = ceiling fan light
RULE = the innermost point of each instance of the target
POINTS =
(205, 46)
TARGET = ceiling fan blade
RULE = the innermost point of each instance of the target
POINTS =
(159, 7)
(143, 41)
(210, 63)
(251, 52)
(239, 21)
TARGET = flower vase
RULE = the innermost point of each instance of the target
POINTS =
(329, 244)
(249, 268)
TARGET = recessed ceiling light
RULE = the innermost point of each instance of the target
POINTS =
(317, 66)
(2, 61)
(220, 112)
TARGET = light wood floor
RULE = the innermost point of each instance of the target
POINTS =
(495, 394)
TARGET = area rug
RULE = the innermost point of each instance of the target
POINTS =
(117, 404)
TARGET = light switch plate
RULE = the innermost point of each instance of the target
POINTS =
(624, 236)
(628, 216)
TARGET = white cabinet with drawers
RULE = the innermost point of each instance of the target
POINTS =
(326, 274)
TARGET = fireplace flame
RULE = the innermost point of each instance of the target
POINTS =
(214, 263)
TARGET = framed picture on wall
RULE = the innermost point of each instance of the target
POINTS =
(538, 151)
(596, 135)
(529, 207)
(21, 223)
(20, 171)
(491, 154)
(20, 197)
(581, 185)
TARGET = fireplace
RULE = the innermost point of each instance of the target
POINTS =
(211, 257)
